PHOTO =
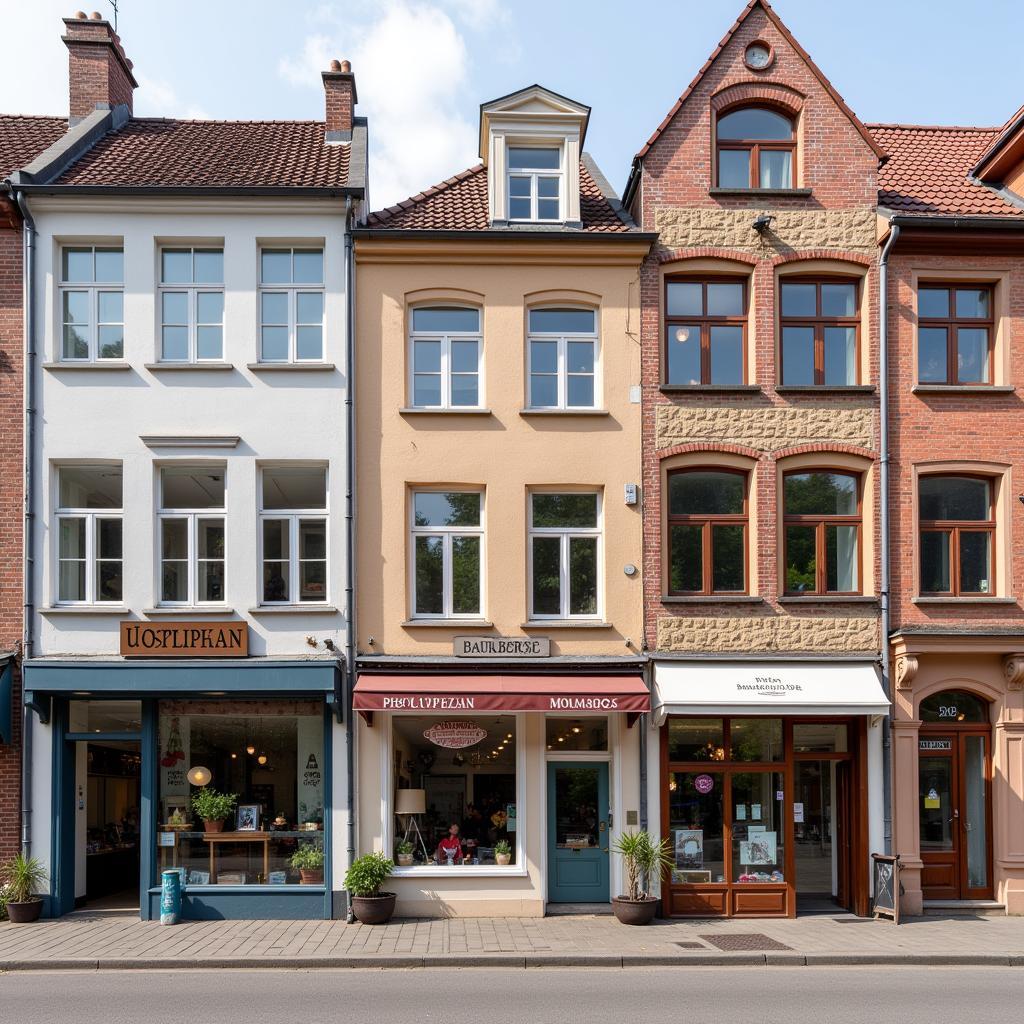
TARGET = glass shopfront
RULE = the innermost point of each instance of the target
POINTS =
(241, 792)
(750, 823)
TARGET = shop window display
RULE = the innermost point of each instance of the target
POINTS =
(266, 759)
(573, 734)
(462, 773)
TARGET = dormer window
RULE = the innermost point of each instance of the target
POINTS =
(756, 149)
(534, 183)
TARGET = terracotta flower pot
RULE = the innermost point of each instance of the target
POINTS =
(311, 876)
(405, 860)
(25, 913)
(213, 826)
(634, 911)
(503, 858)
(374, 909)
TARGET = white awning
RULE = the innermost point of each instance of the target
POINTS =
(767, 688)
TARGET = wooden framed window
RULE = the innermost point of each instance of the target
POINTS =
(707, 531)
(822, 523)
(755, 148)
(954, 333)
(956, 518)
(705, 331)
(820, 331)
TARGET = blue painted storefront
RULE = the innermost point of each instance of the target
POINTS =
(51, 684)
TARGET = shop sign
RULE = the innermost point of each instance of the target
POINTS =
(946, 744)
(768, 686)
(704, 783)
(501, 647)
(455, 735)
(185, 640)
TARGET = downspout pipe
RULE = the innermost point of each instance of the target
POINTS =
(886, 565)
(28, 611)
(350, 547)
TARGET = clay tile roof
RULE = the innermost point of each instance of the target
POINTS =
(23, 138)
(928, 170)
(161, 153)
(459, 203)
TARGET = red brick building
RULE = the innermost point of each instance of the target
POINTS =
(21, 140)
(953, 199)
(761, 481)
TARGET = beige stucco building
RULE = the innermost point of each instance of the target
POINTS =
(499, 610)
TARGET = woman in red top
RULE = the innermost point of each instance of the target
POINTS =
(450, 845)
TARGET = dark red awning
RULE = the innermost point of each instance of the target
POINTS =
(441, 694)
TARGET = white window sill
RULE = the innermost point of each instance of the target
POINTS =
(564, 412)
(455, 411)
(565, 624)
(294, 609)
(461, 871)
(951, 599)
(447, 624)
(291, 367)
(84, 609)
(194, 367)
(190, 610)
(98, 365)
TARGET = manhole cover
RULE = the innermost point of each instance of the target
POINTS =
(691, 945)
(748, 942)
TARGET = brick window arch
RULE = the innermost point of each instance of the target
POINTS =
(755, 147)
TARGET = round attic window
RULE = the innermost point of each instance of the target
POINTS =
(759, 56)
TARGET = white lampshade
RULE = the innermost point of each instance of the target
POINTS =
(199, 776)
(411, 801)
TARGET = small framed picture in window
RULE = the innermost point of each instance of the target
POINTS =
(248, 818)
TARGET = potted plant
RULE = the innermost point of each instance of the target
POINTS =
(308, 860)
(403, 851)
(214, 807)
(502, 851)
(177, 822)
(363, 881)
(22, 877)
(645, 859)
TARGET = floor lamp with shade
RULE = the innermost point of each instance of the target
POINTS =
(409, 804)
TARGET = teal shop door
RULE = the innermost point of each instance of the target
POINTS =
(578, 857)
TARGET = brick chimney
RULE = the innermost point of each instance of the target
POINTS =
(100, 74)
(340, 95)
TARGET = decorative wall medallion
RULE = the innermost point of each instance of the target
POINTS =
(1013, 669)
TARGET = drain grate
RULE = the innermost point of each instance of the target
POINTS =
(853, 920)
(747, 942)
(691, 945)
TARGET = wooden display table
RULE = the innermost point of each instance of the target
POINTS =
(216, 838)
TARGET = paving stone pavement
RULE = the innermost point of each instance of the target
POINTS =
(86, 940)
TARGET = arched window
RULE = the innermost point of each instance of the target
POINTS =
(707, 531)
(756, 148)
(953, 706)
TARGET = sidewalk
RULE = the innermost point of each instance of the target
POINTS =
(91, 942)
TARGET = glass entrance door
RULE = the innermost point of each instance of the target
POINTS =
(821, 833)
(578, 850)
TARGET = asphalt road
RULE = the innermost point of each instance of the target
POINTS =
(709, 995)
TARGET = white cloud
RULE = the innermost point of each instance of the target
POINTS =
(411, 64)
(157, 98)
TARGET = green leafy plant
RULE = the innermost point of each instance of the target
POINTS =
(367, 874)
(213, 806)
(403, 847)
(309, 857)
(177, 818)
(502, 846)
(3, 902)
(645, 859)
(22, 877)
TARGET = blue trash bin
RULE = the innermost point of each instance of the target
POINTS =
(170, 897)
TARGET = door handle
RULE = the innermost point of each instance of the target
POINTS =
(604, 849)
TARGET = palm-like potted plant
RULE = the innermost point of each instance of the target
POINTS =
(363, 881)
(502, 851)
(308, 860)
(214, 807)
(22, 878)
(403, 853)
(644, 859)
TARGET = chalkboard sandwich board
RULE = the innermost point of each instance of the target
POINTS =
(887, 886)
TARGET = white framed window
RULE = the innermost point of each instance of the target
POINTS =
(191, 304)
(291, 305)
(89, 532)
(91, 303)
(565, 555)
(447, 554)
(191, 534)
(562, 354)
(535, 183)
(444, 357)
(293, 534)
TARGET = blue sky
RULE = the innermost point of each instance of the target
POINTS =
(423, 66)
